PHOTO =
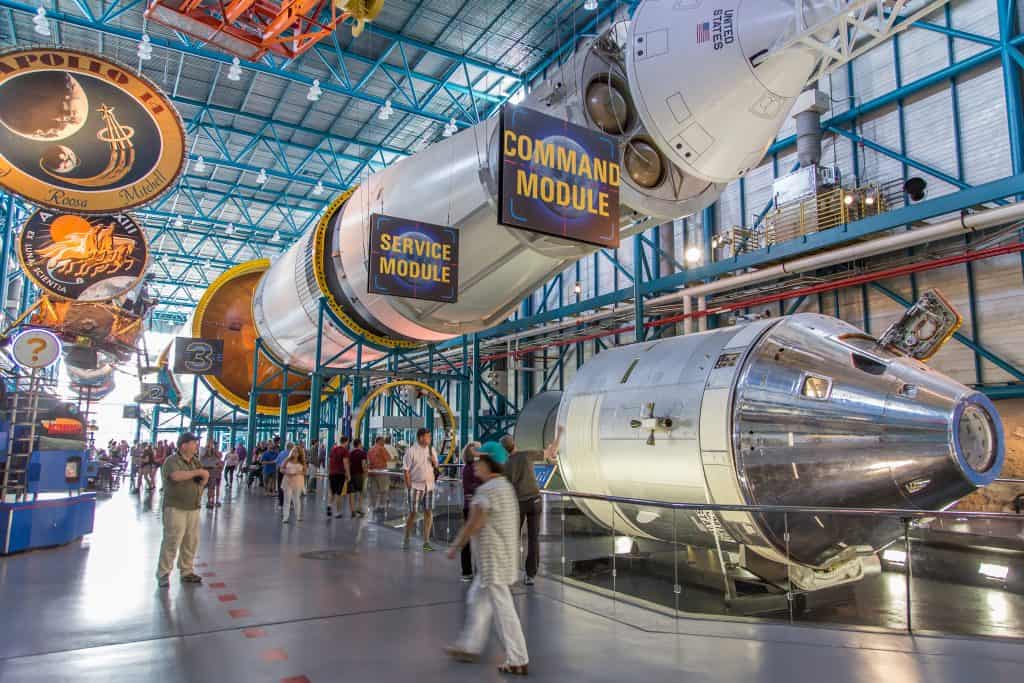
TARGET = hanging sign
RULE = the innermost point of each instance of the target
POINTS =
(558, 178)
(36, 349)
(93, 258)
(81, 133)
(153, 392)
(413, 260)
(193, 356)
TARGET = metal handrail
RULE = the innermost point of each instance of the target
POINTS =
(866, 512)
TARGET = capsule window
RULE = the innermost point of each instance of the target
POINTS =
(868, 364)
(816, 387)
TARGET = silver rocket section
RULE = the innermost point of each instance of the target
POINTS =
(804, 410)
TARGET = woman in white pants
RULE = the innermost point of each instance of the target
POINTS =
(494, 525)
(294, 482)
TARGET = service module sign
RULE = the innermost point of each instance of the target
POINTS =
(558, 178)
(413, 260)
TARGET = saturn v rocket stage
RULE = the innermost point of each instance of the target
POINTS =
(693, 95)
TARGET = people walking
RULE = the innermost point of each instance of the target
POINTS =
(520, 474)
(336, 476)
(380, 480)
(231, 461)
(355, 470)
(293, 482)
(494, 526)
(315, 461)
(183, 484)
(269, 460)
(282, 455)
(470, 483)
(418, 466)
(212, 463)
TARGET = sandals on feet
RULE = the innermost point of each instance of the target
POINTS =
(514, 669)
(461, 655)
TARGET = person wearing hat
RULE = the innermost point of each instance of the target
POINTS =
(494, 527)
(183, 484)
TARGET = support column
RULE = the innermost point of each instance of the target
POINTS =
(154, 428)
(282, 415)
(640, 332)
(5, 254)
(464, 435)
(250, 432)
(477, 389)
(315, 388)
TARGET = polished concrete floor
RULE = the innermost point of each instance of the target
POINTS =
(339, 600)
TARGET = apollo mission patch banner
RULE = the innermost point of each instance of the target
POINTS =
(84, 134)
(83, 258)
(558, 178)
(413, 260)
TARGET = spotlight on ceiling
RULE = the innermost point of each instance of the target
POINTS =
(694, 255)
(916, 188)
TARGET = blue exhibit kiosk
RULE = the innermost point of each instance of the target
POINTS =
(56, 509)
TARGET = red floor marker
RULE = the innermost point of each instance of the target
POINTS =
(296, 679)
(227, 597)
(239, 613)
(219, 584)
(274, 655)
(254, 633)
(208, 575)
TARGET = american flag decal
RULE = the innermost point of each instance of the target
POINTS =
(703, 32)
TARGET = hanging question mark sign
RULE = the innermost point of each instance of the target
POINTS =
(36, 349)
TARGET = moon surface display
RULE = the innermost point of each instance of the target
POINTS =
(59, 159)
(44, 105)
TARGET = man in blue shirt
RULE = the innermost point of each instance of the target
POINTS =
(269, 461)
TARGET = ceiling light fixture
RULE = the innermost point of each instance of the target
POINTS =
(235, 70)
(230, 230)
(694, 255)
(318, 189)
(40, 23)
(315, 91)
(276, 237)
(590, 5)
(386, 111)
(261, 177)
(179, 222)
(199, 166)
(145, 49)
(450, 128)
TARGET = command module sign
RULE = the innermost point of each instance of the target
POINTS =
(413, 260)
(198, 356)
(558, 178)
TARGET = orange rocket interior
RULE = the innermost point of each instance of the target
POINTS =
(228, 316)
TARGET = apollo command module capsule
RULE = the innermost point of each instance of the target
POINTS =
(804, 410)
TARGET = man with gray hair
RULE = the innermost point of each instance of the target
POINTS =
(519, 471)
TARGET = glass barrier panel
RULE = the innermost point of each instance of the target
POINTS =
(580, 556)
(968, 576)
(644, 567)
(845, 569)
